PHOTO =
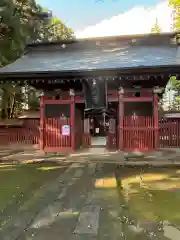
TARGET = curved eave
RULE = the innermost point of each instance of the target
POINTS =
(163, 37)
(82, 74)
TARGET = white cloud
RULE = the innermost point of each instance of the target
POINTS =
(137, 20)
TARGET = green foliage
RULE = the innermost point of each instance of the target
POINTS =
(175, 84)
(33, 98)
(21, 22)
(175, 4)
(156, 28)
(54, 29)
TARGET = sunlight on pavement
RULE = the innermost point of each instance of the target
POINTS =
(153, 181)
(49, 168)
(106, 183)
(146, 178)
(171, 232)
(153, 197)
(32, 161)
(49, 217)
(68, 213)
(6, 166)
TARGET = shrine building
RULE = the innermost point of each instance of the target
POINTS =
(99, 92)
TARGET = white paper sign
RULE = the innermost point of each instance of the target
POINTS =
(65, 130)
(97, 130)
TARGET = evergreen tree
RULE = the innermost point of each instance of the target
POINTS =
(156, 28)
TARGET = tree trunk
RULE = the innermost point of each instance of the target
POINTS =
(4, 104)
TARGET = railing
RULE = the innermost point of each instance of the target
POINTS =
(27, 134)
(138, 133)
(169, 133)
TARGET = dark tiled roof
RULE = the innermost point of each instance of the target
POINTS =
(117, 53)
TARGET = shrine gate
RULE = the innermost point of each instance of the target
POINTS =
(63, 127)
(135, 70)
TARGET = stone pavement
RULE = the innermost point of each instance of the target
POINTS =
(11, 149)
(162, 157)
(75, 206)
(69, 208)
(84, 202)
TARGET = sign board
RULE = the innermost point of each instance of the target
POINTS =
(97, 130)
(65, 130)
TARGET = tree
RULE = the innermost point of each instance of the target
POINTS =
(175, 83)
(175, 4)
(156, 28)
(21, 22)
(54, 29)
(18, 25)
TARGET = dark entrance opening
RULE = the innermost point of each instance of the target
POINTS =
(101, 125)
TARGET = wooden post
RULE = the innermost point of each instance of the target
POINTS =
(156, 121)
(121, 115)
(72, 120)
(41, 127)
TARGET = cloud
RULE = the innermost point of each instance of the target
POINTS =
(137, 20)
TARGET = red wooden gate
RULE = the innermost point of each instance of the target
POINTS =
(57, 124)
(138, 133)
(55, 139)
(138, 120)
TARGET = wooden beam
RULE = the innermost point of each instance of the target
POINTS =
(72, 114)
(42, 125)
(121, 116)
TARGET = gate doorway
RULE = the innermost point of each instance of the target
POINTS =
(103, 129)
(98, 130)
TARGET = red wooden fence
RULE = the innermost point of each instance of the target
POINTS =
(138, 133)
(169, 133)
(27, 134)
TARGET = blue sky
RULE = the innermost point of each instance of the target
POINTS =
(78, 14)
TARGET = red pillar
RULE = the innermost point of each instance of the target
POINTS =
(121, 115)
(156, 121)
(72, 120)
(41, 127)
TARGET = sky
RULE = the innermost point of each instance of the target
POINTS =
(93, 18)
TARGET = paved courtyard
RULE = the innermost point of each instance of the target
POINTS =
(99, 201)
